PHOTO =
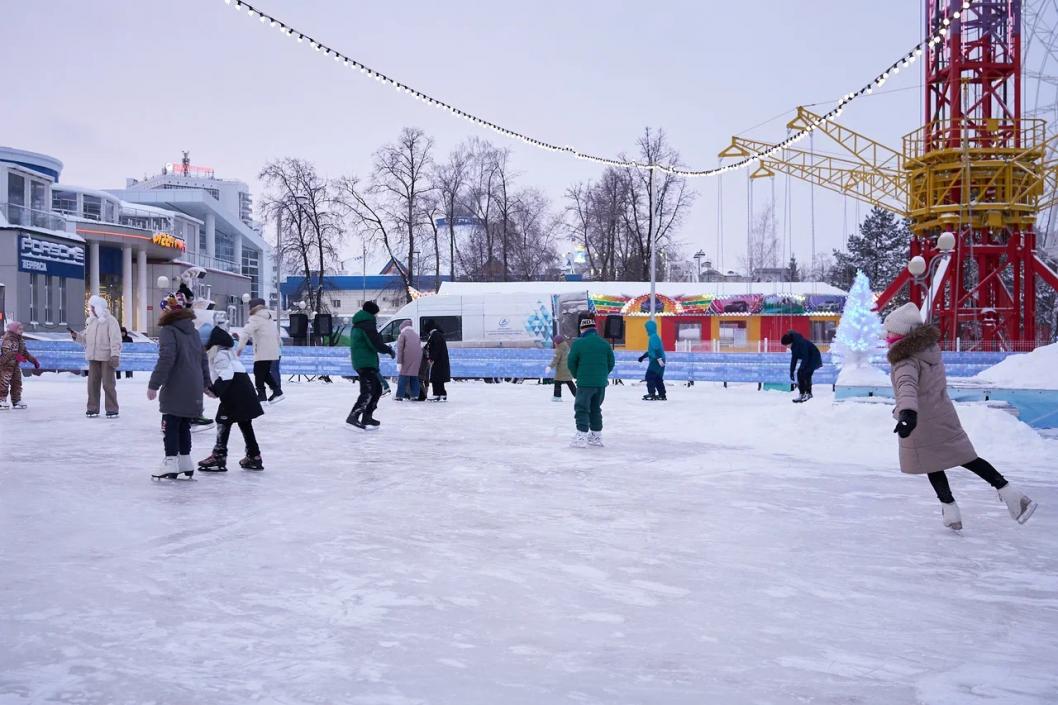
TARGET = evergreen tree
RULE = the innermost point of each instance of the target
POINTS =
(880, 251)
(860, 334)
(793, 272)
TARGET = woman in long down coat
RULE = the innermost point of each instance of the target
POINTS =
(931, 437)
(440, 369)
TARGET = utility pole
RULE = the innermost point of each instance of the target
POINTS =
(652, 229)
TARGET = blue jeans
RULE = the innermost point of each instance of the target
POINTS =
(408, 387)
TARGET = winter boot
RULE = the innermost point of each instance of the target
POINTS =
(949, 512)
(216, 462)
(580, 440)
(1019, 506)
(253, 463)
(595, 439)
(353, 419)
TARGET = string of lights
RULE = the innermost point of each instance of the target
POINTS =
(936, 37)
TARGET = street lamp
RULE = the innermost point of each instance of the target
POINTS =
(246, 298)
(924, 276)
(163, 282)
(698, 258)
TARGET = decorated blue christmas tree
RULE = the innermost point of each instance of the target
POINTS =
(860, 338)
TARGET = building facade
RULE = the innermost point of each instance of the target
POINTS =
(60, 244)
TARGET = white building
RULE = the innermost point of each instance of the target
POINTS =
(228, 239)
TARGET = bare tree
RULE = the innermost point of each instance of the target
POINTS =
(762, 244)
(450, 182)
(657, 200)
(481, 181)
(312, 232)
(531, 251)
(400, 176)
(391, 208)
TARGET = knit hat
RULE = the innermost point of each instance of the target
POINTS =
(587, 321)
(13, 326)
(558, 339)
(903, 320)
(371, 307)
(219, 336)
(787, 338)
(254, 303)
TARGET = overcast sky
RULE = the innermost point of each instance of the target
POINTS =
(117, 88)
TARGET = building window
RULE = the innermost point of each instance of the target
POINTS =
(61, 300)
(34, 297)
(16, 198)
(38, 191)
(47, 299)
(63, 201)
(93, 207)
(336, 303)
(824, 331)
(733, 334)
(111, 212)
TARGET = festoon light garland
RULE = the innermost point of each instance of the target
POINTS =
(903, 62)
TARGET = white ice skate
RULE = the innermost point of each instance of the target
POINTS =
(595, 439)
(1019, 506)
(580, 440)
(171, 470)
(4, 406)
(18, 405)
(185, 464)
(950, 514)
(556, 398)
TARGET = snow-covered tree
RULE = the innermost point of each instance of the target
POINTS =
(860, 336)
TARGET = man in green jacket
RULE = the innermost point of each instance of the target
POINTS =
(591, 361)
(365, 344)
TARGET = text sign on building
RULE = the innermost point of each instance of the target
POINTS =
(167, 240)
(58, 259)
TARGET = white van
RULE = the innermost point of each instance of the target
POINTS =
(492, 320)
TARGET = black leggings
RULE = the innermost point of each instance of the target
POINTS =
(267, 372)
(224, 430)
(177, 436)
(804, 379)
(979, 466)
(558, 388)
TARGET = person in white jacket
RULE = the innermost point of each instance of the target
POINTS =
(267, 350)
(101, 339)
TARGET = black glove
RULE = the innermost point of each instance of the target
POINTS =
(906, 424)
(642, 357)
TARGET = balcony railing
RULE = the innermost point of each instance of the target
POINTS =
(21, 215)
(203, 260)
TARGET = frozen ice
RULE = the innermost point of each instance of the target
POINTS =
(726, 546)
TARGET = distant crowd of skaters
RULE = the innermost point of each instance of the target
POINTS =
(194, 362)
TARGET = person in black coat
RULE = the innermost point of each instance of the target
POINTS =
(805, 351)
(440, 368)
(239, 403)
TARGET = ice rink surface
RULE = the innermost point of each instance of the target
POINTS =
(726, 547)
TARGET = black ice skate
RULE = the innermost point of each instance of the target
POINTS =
(216, 462)
(112, 414)
(249, 463)
(93, 414)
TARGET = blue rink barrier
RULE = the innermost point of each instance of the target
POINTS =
(526, 363)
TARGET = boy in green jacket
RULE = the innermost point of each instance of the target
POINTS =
(591, 361)
(365, 344)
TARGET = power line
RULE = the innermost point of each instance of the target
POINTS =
(937, 37)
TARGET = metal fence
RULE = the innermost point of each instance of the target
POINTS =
(518, 363)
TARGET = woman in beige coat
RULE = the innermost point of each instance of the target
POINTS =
(931, 437)
(101, 339)
(559, 368)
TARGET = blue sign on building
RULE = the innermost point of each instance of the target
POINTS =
(58, 259)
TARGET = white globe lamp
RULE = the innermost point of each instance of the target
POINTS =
(917, 266)
(163, 282)
(246, 298)
(946, 242)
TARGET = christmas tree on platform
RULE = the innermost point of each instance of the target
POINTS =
(860, 338)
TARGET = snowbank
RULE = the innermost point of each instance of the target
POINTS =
(1035, 370)
(862, 376)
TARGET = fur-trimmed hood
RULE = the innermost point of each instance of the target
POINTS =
(921, 341)
(173, 315)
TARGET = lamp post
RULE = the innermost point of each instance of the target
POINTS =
(698, 258)
(924, 275)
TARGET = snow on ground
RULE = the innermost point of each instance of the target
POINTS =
(1035, 370)
(726, 546)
